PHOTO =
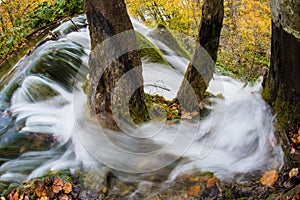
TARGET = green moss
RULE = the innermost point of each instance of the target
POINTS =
(163, 34)
(11, 89)
(287, 114)
(266, 91)
(160, 108)
(86, 85)
(148, 51)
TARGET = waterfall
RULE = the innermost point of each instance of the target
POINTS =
(45, 125)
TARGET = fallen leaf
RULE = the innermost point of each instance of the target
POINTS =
(281, 197)
(63, 197)
(186, 115)
(44, 198)
(293, 150)
(194, 190)
(67, 188)
(57, 185)
(293, 172)
(58, 182)
(201, 107)
(211, 182)
(194, 113)
(39, 191)
(296, 196)
(16, 196)
(269, 178)
(56, 189)
(296, 139)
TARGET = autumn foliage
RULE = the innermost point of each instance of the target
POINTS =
(245, 38)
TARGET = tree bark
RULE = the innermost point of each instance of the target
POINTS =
(282, 86)
(201, 68)
(116, 94)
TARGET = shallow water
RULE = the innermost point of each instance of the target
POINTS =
(45, 125)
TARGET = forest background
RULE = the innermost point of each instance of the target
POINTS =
(244, 50)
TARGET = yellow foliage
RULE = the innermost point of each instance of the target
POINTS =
(245, 38)
(245, 41)
(182, 16)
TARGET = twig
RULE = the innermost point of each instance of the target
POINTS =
(77, 28)
(157, 86)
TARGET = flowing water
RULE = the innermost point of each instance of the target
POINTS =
(44, 124)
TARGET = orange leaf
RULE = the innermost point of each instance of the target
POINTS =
(16, 196)
(296, 196)
(44, 198)
(39, 191)
(269, 178)
(194, 190)
(211, 182)
(58, 182)
(56, 189)
(67, 187)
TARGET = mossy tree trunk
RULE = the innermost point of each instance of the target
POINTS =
(116, 94)
(282, 86)
(201, 68)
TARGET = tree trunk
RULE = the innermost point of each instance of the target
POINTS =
(282, 86)
(201, 68)
(116, 94)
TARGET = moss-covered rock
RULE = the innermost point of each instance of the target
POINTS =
(162, 34)
(148, 51)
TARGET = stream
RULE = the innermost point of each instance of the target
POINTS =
(44, 125)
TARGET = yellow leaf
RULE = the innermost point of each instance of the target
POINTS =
(296, 138)
(269, 178)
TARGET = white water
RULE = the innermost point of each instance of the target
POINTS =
(236, 138)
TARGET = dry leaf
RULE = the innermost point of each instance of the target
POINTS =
(201, 107)
(44, 198)
(296, 138)
(293, 172)
(194, 113)
(211, 182)
(63, 197)
(57, 185)
(293, 150)
(194, 190)
(16, 196)
(13, 196)
(58, 182)
(56, 189)
(269, 178)
(281, 197)
(296, 196)
(67, 188)
(39, 191)
(186, 115)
